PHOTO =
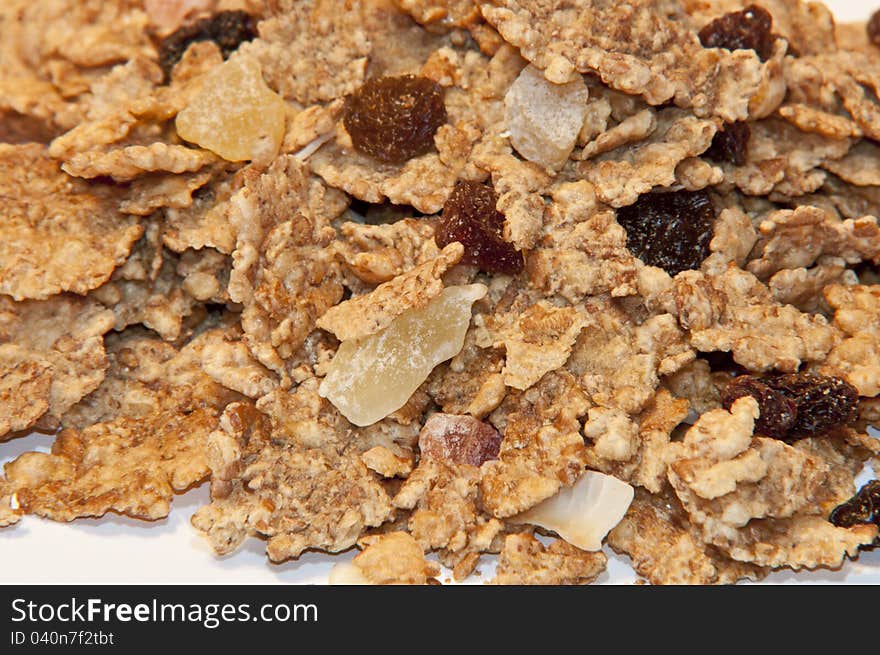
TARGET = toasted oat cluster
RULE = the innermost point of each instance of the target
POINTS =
(438, 279)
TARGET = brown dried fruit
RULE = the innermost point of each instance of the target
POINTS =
(395, 118)
(778, 412)
(730, 144)
(470, 217)
(862, 508)
(669, 230)
(873, 28)
(823, 402)
(228, 29)
(748, 29)
(459, 440)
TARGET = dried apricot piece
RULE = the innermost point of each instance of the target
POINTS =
(749, 29)
(394, 119)
(235, 114)
(228, 29)
(471, 218)
(669, 230)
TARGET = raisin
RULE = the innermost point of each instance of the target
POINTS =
(861, 509)
(778, 413)
(470, 217)
(749, 29)
(823, 402)
(730, 144)
(669, 230)
(873, 28)
(228, 29)
(394, 119)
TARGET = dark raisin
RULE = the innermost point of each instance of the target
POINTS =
(730, 144)
(669, 230)
(394, 119)
(861, 509)
(470, 217)
(823, 402)
(873, 28)
(749, 29)
(778, 413)
(228, 29)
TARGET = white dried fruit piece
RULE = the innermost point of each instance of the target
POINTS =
(544, 118)
(584, 513)
(235, 115)
(372, 377)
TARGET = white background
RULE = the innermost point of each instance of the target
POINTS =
(118, 550)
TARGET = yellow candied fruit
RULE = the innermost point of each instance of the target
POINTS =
(371, 377)
(235, 114)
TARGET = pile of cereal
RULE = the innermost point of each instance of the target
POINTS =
(441, 278)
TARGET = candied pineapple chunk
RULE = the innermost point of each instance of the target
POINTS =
(371, 377)
(544, 119)
(235, 115)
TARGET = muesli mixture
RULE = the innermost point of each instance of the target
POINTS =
(442, 278)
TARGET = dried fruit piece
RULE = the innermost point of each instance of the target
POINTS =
(584, 513)
(823, 402)
(395, 118)
(228, 29)
(470, 217)
(873, 28)
(371, 377)
(458, 439)
(862, 508)
(235, 114)
(544, 119)
(669, 230)
(730, 144)
(748, 29)
(778, 412)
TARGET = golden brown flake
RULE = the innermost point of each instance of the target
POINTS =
(298, 496)
(656, 536)
(542, 448)
(636, 48)
(394, 558)
(283, 272)
(367, 314)
(526, 561)
(57, 234)
(53, 355)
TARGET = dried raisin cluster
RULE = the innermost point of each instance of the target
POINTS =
(730, 144)
(228, 29)
(394, 119)
(861, 509)
(749, 29)
(796, 405)
(470, 217)
(669, 230)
